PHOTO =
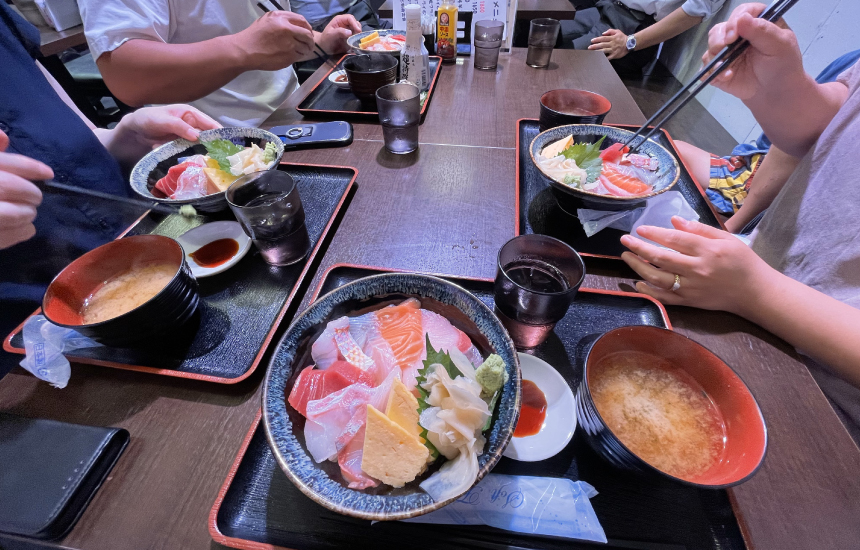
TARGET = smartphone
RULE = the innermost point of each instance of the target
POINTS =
(316, 134)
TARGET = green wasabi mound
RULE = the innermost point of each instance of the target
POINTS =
(491, 375)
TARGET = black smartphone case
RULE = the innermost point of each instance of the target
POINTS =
(49, 471)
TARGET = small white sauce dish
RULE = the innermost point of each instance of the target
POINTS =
(333, 78)
(194, 239)
(560, 421)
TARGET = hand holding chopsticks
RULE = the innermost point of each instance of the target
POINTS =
(318, 50)
(709, 72)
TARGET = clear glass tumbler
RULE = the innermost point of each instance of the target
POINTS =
(542, 36)
(399, 107)
(269, 209)
(537, 278)
(489, 31)
(487, 54)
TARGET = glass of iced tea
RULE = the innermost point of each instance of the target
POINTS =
(269, 209)
(537, 278)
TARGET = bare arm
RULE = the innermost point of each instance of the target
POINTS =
(144, 71)
(767, 182)
(669, 27)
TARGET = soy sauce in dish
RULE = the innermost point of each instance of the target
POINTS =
(215, 253)
(532, 410)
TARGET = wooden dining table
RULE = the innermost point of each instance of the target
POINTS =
(445, 209)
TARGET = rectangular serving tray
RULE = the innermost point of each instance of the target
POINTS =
(328, 101)
(241, 308)
(538, 211)
(259, 508)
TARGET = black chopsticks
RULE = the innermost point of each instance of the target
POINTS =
(708, 73)
(154, 206)
(320, 53)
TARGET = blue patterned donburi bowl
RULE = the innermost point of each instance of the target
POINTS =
(571, 198)
(154, 165)
(285, 427)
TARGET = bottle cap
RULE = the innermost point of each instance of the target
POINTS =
(413, 10)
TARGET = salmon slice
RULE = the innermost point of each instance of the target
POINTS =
(400, 325)
(627, 184)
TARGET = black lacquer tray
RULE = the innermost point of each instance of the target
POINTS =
(239, 308)
(539, 212)
(259, 508)
(326, 100)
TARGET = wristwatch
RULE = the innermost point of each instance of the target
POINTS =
(631, 42)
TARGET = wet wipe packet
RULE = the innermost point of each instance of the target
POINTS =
(557, 507)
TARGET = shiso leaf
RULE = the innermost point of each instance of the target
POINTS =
(220, 149)
(587, 157)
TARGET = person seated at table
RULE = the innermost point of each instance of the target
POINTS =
(730, 179)
(800, 279)
(629, 31)
(42, 137)
(320, 14)
(225, 57)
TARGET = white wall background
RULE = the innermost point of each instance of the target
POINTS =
(825, 30)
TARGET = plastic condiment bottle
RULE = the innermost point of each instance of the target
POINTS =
(415, 59)
(446, 32)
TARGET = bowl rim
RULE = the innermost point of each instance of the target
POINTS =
(641, 460)
(355, 39)
(127, 313)
(136, 172)
(372, 72)
(577, 90)
(405, 514)
(573, 191)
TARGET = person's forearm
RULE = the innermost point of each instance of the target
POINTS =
(767, 182)
(146, 71)
(816, 324)
(669, 27)
(794, 113)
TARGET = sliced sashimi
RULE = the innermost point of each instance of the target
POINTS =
(347, 346)
(308, 387)
(349, 459)
(444, 336)
(614, 152)
(401, 326)
(328, 417)
(621, 184)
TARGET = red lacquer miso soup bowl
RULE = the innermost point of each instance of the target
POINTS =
(654, 401)
(94, 294)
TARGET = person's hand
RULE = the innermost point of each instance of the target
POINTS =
(334, 35)
(18, 196)
(717, 270)
(276, 40)
(152, 126)
(773, 57)
(612, 42)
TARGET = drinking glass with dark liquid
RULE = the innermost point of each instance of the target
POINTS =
(268, 207)
(537, 278)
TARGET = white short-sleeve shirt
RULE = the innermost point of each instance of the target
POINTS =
(661, 8)
(247, 100)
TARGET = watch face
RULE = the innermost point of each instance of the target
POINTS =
(631, 42)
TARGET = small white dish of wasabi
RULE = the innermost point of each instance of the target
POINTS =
(551, 433)
(214, 247)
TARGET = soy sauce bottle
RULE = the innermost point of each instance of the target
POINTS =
(414, 58)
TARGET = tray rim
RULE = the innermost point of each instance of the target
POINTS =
(276, 322)
(246, 544)
(304, 110)
(626, 127)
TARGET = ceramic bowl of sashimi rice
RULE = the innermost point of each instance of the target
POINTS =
(588, 166)
(391, 396)
(198, 173)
